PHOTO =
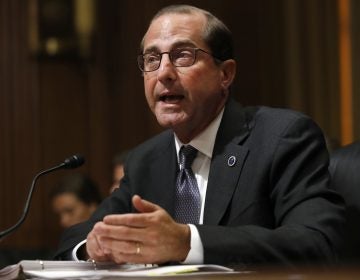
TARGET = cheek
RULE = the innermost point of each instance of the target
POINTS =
(150, 100)
(149, 86)
(204, 86)
(204, 76)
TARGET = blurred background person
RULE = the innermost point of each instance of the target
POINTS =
(74, 199)
(118, 169)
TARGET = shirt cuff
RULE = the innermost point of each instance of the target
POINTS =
(196, 253)
(74, 254)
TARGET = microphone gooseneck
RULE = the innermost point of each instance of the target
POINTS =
(69, 163)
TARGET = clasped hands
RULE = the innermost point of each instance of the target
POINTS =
(149, 236)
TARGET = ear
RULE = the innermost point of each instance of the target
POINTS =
(228, 69)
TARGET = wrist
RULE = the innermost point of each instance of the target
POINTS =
(185, 242)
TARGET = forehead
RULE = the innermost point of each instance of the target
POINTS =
(171, 29)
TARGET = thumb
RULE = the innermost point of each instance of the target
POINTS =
(144, 206)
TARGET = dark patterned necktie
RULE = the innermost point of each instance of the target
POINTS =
(187, 197)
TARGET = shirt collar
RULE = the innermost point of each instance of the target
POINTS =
(205, 141)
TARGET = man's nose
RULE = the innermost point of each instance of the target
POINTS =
(166, 70)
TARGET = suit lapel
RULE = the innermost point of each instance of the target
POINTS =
(163, 168)
(226, 164)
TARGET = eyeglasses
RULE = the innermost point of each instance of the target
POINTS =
(183, 57)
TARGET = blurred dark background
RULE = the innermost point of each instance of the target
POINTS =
(69, 84)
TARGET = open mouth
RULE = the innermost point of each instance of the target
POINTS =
(171, 98)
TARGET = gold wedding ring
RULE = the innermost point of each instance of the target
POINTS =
(138, 248)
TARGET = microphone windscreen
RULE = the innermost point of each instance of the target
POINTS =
(74, 161)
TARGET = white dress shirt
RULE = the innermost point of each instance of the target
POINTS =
(204, 143)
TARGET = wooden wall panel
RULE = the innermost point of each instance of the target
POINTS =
(345, 61)
(355, 29)
(19, 107)
(311, 61)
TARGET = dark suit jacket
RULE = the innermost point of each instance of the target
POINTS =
(272, 206)
(345, 178)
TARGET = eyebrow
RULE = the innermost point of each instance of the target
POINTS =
(179, 44)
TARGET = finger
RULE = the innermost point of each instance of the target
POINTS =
(132, 253)
(116, 247)
(144, 206)
(93, 248)
(121, 258)
(134, 220)
(92, 245)
(117, 232)
(127, 220)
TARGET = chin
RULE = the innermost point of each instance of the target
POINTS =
(169, 119)
(166, 124)
(169, 122)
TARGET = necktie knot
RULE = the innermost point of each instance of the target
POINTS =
(187, 155)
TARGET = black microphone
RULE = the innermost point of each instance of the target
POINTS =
(69, 163)
(73, 162)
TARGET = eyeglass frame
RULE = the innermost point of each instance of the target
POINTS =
(194, 50)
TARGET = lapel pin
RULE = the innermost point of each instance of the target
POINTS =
(231, 161)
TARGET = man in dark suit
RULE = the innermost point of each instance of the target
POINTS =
(261, 174)
(345, 178)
